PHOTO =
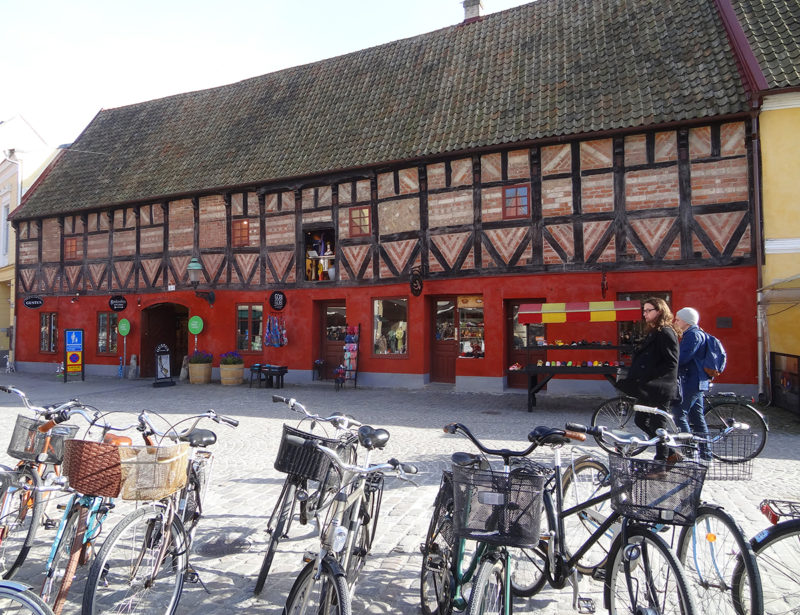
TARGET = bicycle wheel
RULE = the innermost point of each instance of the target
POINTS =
(324, 596)
(777, 551)
(16, 599)
(657, 583)
(284, 508)
(488, 589)
(364, 533)
(436, 579)
(617, 414)
(720, 412)
(21, 512)
(129, 576)
(60, 558)
(710, 551)
(583, 480)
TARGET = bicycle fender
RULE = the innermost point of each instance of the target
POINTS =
(762, 536)
(335, 567)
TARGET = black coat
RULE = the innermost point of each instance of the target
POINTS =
(653, 375)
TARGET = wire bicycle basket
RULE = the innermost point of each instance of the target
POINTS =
(27, 442)
(306, 461)
(731, 456)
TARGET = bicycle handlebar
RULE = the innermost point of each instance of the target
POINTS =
(540, 436)
(338, 420)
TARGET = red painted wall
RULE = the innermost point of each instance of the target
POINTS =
(721, 292)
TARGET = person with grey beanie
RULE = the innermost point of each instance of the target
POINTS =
(689, 413)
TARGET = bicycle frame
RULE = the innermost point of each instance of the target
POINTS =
(94, 522)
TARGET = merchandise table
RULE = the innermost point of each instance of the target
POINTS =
(540, 375)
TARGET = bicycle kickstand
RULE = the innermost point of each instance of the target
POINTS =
(192, 576)
(580, 603)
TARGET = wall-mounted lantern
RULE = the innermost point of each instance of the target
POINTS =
(194, 269)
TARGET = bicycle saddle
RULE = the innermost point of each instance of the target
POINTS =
(371, 438)
(548, 435)
(467, 459)
(199, 438)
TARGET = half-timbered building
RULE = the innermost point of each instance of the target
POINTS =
(562, 151)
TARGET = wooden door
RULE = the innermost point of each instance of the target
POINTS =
(164, 323)
(444, 349)
(334, 327)
(521, 345)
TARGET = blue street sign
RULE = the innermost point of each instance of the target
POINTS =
(74, 340)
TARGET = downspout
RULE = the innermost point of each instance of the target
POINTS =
(761, 316)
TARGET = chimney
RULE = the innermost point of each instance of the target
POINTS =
(472, 9)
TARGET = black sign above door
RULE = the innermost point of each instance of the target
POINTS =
(33, 302)
(117, 303)
(277, 300)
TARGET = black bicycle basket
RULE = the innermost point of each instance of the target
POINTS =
(306, 461)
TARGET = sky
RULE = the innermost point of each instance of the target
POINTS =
(63, 61)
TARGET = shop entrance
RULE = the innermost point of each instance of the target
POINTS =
(522, 343)
(164, 323)
(334, 329)
(444, 349)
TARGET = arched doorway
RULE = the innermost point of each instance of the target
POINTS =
(163, 323)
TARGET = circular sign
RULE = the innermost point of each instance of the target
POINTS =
(195, 325)
(33, 302)
(277, 300)
(74, 357)
(124, 327)
(118, 303)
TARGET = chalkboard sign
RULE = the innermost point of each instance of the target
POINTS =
(163, 375)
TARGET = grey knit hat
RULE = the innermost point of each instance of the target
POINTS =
(688, 315)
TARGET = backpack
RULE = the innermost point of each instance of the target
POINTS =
(715, 358)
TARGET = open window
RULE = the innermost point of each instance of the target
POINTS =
(320, 256)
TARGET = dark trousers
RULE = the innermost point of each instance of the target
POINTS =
(648, 423)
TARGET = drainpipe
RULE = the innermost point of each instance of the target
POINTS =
(763, 390)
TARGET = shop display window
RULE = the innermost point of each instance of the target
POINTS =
(107, 332)
(527, 336)
(785, 380)
(249, 327)
(320, 255)
(48, 336)
(390, 326)
(470, 321)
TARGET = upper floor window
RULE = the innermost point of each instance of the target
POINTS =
(48, 332)
(70, 248)
(516, 202)
(359, 221)
(249, 327)
(106, 332)
(320, 255)
(240, 233)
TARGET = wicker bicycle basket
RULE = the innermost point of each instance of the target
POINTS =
(27, 442)
(497, 508)
(730, 456)
(655, 491)
(306, 461)
(129, 472)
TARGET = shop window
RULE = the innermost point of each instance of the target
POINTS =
(70, 248)
(633, 332)
(320, 259)
(48, 336)
(445, 320)
(390, 326)
(106, 332)
(470, 324)
(249, 327)
(516, 202)
(359, 221)
(240, 233)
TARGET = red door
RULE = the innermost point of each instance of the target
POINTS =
(334, 326)
(522, 346)
(444, 349)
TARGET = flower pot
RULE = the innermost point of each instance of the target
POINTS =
(199, 373)
(231, 374)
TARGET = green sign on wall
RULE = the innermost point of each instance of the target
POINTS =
(124, 327)
(195, 325)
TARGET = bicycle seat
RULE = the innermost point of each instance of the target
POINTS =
(548, 435)
(371, 438)
(199, 438)
(465, 459)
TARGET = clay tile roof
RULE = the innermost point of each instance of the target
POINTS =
(548, 68)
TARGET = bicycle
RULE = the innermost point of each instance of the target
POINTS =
(326, 583)
(303, 465)
(21, 510)
(720, 410)
(142, 565)
(777, 551)
(18, 599)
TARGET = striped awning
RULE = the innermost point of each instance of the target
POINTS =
(579, 311)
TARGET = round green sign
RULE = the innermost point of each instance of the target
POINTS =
(124, 327)
(195, 325)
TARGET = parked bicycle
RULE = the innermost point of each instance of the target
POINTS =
(326, 583)
(310, 474)
(18, 599)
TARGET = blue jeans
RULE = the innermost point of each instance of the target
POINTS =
(690, 418)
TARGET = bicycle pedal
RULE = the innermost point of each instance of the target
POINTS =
(586, 605)
(599, 574)
(50, 524)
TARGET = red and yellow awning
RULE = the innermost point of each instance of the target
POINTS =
(579, 311)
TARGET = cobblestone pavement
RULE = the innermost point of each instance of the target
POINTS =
(231, 537)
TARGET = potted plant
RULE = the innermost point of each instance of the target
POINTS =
(231, 368)
(200, 367)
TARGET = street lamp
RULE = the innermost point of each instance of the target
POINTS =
(194, 269)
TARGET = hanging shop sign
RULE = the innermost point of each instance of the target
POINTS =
(33, 302)
(195, 325)
(117, 303)
(124, 327)
(277, 300)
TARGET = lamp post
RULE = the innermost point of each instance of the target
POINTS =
(194, 269)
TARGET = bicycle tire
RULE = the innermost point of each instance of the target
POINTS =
(15, 598)
(721, 409)
(195, 493)
(436, 579)
(584, 479)
(364, 533)
(60, 559)
(777, 551)
(309, 595)
(73, 561)
(617, 414)
(131, 549)
(285, 505)
(20, 522)
(711, 551)
(669, 597)
(488, 589)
